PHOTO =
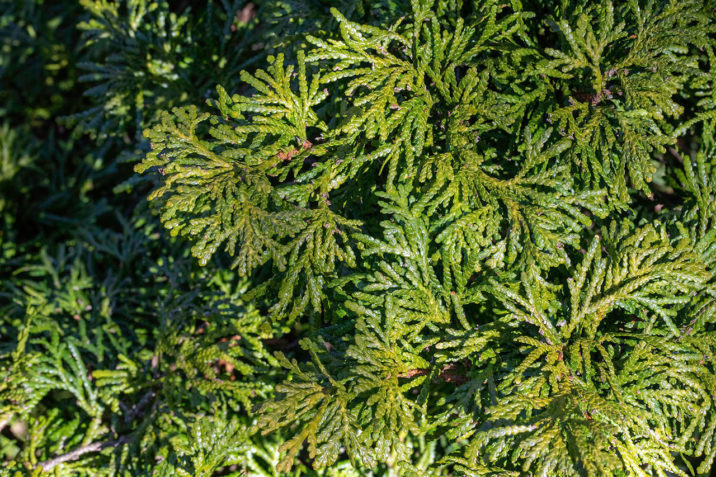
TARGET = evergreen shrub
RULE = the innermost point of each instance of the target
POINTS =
(374, 237)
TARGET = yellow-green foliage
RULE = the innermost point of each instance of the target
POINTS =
(409, 237)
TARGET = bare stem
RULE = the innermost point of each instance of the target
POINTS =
(98, 446)
(80, 451)
(676, 154)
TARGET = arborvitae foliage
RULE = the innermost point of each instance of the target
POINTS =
(435, 237)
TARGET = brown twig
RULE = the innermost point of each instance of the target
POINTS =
(48, 465)
(447, 374)
(676, 154)
(137, 408)
(98, 446)
(247, 13)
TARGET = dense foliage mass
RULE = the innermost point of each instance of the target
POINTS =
(358, 237)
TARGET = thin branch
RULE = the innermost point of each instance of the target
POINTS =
(447, 374)
(134, 412)
(80, 451)
(676, 154)
(98, 446)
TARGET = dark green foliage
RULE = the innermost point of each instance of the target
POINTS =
(426, 237)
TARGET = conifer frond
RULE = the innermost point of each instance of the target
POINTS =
(541, 216)
(221, 190)
(600, 398)
(320, 404)
(213, 443)
(697, 219)
(626, 64)
(144, 56)
(699, 180)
